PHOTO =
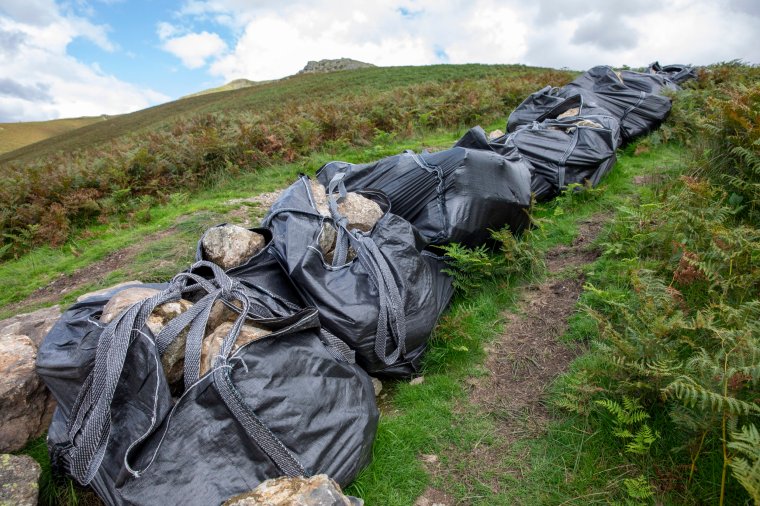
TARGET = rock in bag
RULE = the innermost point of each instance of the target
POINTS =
(283, 404)
(384, 302)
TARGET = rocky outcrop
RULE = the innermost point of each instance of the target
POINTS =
(318, 490)
(212, 343)
(19, 480)
(26, 405)
(230, 246)
(322, 66)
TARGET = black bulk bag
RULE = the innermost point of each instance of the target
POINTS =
(638, 112)
(384, 302)
(455, 195)
(579, 149)
(676, 73)
(285, 404)
(546, 104)
(262, 275)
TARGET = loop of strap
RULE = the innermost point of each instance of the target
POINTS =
(89, 425)
(391, 322)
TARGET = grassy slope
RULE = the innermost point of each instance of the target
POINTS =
(563, 465)
(294, 89)
(17, 135)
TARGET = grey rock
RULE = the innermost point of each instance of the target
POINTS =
(26, 406)
(318, 490)
(212, 343)
(575, 111)
(322, 66)
(220, 313)
(106, 290)
(19, 480)
(34, 325)
(419, 380)
(361, 212)
(495, 134)
(173, 358)
(378, 385)
(230, 246)
(123, 300)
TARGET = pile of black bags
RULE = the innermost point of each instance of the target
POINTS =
(297, 399)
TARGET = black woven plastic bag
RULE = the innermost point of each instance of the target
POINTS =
(289, 403)
(637, 111)
(676, 73)
(384, 302)
(263, 276)
(576, 149)
(456, 195)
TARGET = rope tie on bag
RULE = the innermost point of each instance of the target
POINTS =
(391, 322)
(89, 426)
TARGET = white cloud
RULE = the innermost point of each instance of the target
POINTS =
(276, 38)
(195, 48)
(43, 81)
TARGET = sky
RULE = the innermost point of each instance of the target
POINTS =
(71, 58)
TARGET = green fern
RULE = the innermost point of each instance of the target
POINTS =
(746, 468)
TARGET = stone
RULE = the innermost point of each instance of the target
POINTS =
(26, 405)
(123, 300)
(106, 290)
(318, 490)
(220, 313)
(361, 212)
(34, 325)
(319, 195)
(212, 343)
(419, 380)
(378, 385)
(495, 135)
(588, 123)
(19, 480)
(230, 246)
(575, 111)
(173, 359)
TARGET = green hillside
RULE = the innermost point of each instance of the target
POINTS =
(113, 169)
(17, 135)
(610, 355)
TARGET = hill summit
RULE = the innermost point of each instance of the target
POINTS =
(313, 67)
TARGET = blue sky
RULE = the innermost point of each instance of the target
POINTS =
(66, 58)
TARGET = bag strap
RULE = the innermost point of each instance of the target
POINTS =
(89, 426)
(391, 321)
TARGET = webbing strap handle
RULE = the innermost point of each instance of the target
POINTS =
(391, 322)
(89, 426)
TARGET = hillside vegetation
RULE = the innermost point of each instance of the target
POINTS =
(131, 162)
(17, 135)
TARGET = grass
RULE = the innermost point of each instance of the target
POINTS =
(186, 216)
(17, 135)
(572, 463)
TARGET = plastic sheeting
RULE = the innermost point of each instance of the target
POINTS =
(560, 152)
(283, 404)
(675, 73)
(385, 302)
(456, 195)
(638, 111)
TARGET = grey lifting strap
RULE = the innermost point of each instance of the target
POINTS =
(392, 301)
(90, 424)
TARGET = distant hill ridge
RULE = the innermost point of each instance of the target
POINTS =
(313, 67)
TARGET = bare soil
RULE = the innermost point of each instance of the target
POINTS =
(522, 363)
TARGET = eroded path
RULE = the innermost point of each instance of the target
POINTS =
(522, 363)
